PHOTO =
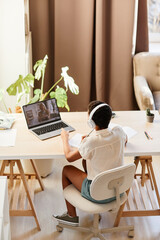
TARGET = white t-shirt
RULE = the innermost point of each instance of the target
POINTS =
(103, 150)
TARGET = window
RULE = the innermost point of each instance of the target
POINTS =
(154, 25)
(134, 26)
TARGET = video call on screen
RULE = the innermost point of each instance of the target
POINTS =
(41, 112)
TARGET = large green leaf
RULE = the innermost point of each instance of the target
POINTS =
(19, 97)
(30, 79)
(37, 94)
(61, 97)
(39, 67)
(69, 81)
(22, 85)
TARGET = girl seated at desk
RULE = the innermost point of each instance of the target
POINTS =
(102, 150)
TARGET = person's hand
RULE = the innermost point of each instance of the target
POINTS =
(126, 141)
(83, 137)
(64, 134)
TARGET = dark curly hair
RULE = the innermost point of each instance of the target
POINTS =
(102, 116)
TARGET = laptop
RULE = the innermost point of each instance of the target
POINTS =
(43, 119)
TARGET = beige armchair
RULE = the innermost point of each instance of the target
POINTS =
(147, 80)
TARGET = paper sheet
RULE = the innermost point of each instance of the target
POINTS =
(128, 130)
(8, 137)
(75, 140)
(6, 120)
(112, 125)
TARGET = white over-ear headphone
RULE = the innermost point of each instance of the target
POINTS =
(90, 121)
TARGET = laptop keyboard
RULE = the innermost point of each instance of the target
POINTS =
(50, 128)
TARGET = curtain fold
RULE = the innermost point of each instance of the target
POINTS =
(94, 39)
(103, 49)
(114, 53)
(41, 35)
(73, 46)
(142, 39)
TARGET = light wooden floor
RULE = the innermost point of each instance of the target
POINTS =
(51, 202)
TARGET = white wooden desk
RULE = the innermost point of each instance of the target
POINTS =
(29, 146)
(139, 145)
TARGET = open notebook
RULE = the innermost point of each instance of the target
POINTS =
(76, 139)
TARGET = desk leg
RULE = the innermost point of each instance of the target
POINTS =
(6, 163)
(3, 166)
(27, 192)
(154, 181)
(12, 163)
(37, 174)
(149, 174)
(136, 161)
(143, 172)
(145, 199)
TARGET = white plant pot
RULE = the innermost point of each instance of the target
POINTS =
(44, 166)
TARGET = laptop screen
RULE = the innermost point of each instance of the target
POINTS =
(42, 112)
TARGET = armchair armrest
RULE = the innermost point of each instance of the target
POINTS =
(143, 93)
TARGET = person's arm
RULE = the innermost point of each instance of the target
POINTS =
(83, 160)
(70, 154)
(84, 165)
(126, 140)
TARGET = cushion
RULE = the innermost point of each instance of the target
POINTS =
(72, 195)
(143, 93)
(156, 96)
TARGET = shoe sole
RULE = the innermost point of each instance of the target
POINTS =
(66, 222)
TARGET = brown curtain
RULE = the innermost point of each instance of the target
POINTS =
(142, 41)
(41, 21)
(93, 38)
(114, 53)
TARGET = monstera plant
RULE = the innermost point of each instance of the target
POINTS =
(22, 86)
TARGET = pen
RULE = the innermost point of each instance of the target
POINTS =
(146, 135)
(90, 132)
(149, 135)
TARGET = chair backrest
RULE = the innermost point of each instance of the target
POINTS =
(148, 65)
(105, 184)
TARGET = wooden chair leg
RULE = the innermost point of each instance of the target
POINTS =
(120, 212)
(119, 215)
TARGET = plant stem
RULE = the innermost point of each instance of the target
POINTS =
(52, 88)
(42, 83)
(5, 105)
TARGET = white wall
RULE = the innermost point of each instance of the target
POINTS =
(12, 45)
